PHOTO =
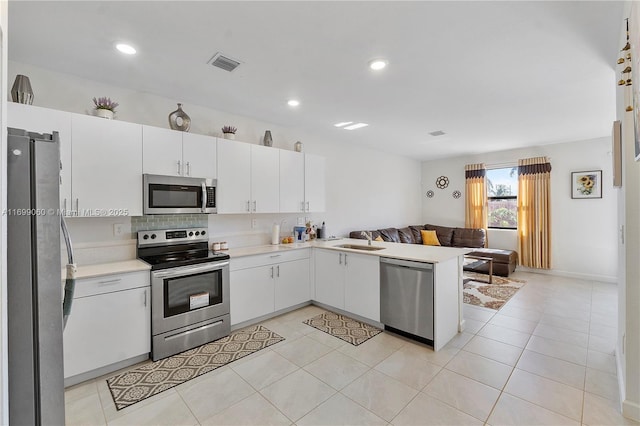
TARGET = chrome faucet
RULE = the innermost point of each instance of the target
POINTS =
(368, 236)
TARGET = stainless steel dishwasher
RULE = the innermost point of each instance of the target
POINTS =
(406, 297)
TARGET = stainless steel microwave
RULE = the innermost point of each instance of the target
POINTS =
(178, 195)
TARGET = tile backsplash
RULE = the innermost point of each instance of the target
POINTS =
(168, 221)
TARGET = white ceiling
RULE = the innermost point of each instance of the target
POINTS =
(492, 75)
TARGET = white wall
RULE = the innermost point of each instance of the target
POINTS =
(583, 230)
(365, 188)
(4, 389)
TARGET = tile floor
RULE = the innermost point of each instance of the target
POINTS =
(546, 358)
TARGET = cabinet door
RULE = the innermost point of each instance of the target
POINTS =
(330, 278)
(234, 176)
(291, 181)
(314, 184)
(199, 155)
(162, 151)
(362, 285)
(106, 329)
(251, 293)
(265, 179)
(107, 166)
(44, 120)
(292, 283)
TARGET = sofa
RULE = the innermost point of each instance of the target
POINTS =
(504, 261)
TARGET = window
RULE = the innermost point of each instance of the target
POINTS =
(502, 195)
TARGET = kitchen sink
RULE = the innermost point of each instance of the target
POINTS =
(359, 247)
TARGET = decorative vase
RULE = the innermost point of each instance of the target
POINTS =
(298, 146)
(267, 140)
(230, 136)
(104, 113)
(21, 91)
(179, 120)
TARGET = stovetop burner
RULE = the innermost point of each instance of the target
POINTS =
(172, 248)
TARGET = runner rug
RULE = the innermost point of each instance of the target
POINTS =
(345, 328)
(478, 292)
(155, 377)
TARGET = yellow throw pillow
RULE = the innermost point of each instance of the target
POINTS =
(429, 238)
(378, 238)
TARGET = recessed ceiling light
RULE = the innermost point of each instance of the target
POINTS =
(377, 64)
(293, 103)
(356, 126)
(437, 133)
(344, 123)
(126, 48)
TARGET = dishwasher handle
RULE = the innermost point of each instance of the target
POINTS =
(406, 263)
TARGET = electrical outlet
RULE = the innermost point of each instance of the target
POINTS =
(118, 229)
(254, 223)
(301, 221)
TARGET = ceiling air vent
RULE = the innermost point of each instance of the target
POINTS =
(437, 133)
(224, 62)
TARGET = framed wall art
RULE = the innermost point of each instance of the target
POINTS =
(586, 184)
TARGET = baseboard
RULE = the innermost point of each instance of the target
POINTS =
(620, 373)
(631, 410)
(568, 274)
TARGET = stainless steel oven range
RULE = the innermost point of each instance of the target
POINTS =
(189, 289)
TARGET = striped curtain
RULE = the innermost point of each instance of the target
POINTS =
(476, 197)
(534, 212)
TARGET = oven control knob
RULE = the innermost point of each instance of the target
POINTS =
(146, 236)
(153, 236)
(197, 233)
(203, 232)
(191, 234)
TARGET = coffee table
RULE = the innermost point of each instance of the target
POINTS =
(475, 261)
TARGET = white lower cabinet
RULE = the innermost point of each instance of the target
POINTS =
(110, 322)
(348, 281)
(263, 284)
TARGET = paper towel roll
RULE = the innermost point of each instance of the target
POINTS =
(275, 234)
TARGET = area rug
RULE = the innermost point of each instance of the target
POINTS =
(345, 328)
(478, 292)
(150, 379)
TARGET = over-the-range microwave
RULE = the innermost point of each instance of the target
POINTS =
(178, 195)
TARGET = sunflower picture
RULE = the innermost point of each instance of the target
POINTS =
(586, 184)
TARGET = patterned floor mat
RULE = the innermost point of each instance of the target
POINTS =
(478, 292)
(345, 328)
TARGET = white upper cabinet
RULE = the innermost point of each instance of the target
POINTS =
(291, 181)
(174, 153)
(44, 120)
(265, 180)
(234, 177)
(314, 183)
(106, 167)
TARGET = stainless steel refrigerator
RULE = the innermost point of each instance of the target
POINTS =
(36, 382)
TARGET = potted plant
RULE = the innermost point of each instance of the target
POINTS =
(104, 107)
(229, 132)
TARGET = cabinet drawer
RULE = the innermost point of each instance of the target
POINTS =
(268, 259)
(110, 283)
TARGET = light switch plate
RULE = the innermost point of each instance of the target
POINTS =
(118, 229)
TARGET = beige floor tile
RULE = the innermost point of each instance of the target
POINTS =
(606, 344)
(602, 330)
(391, 340)
(477, 313)
(441, 357)
(460, 340)
(472, 326)
(481, 369)
(80, 390)
(261, 371)
(602, 361)
(84, 411)
(286, 330)
(168, 411)
(297, 394)
(517, 324)
(326, 339)
(253, 410)
(302, 351)
(516, 412)
(409, 366)
(494, 350)
(505, 335)
(370, 352)
(569, 311)
(562, 335)
(549, 394)
(337, 369)
(552, 368)
(606, 320)
(557, 349)
(602, 384)
(578, 325)
(213, 394)
(474, 398)
(381, 394)
(340, 410)
(599, 411)
(521, 313)
(426, 410)
(109, 407)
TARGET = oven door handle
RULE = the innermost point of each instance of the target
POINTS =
(204, 197)
(188, 270)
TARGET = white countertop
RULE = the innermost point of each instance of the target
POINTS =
(97, 270)
(254, 250)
